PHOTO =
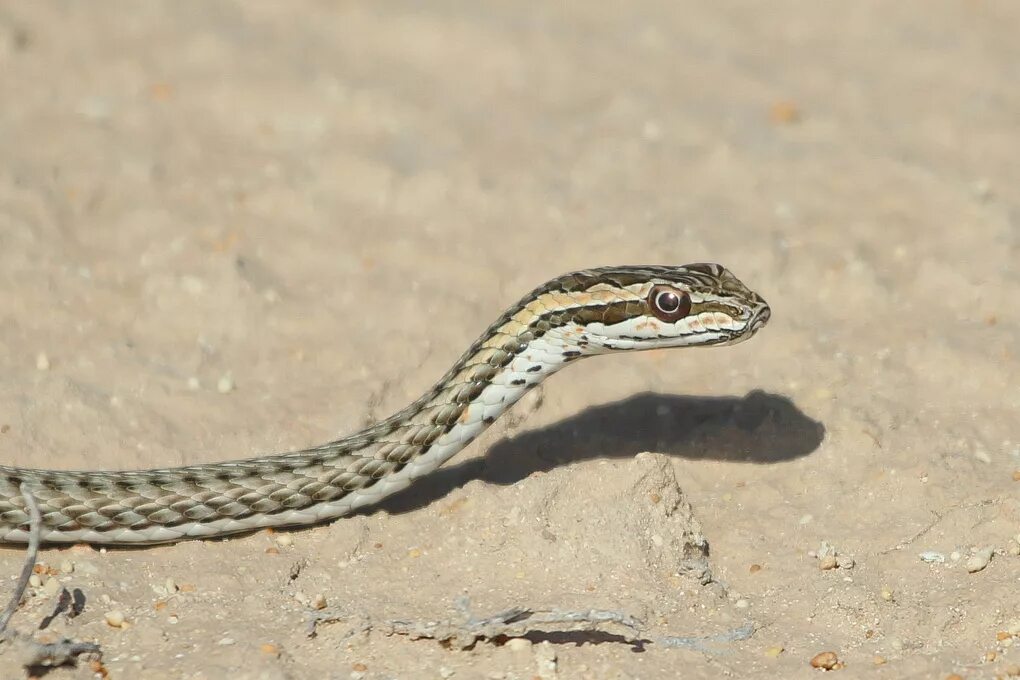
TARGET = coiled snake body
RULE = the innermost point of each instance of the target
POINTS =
(580, 314)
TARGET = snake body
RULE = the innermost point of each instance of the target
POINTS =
(580, 314)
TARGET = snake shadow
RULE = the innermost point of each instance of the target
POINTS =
(758, 428)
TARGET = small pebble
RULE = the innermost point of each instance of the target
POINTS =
(989, 657)
(1014, 628)
(446, 673)
(887, 594)
(1016, 475)
(194, 383)
(979, 560)
(35, 581)
(878, 660)
(955, 556)
(170, 585)
(225, 642)
(519, 644)
(826, 660)
(114, 618)
(359, 667)
(1012, 671)
(51, 587)
(269, 649)
(319, 601)
(741, 604)
(284, 540)
(66, 567)
(774, 652)
(42, 362)
(827, 562)
(932, 557)
(755, 568)
(1014, 549)
(225, 384)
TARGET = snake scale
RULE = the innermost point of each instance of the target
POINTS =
(584, 313)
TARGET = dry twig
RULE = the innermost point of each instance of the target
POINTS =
(26, 652)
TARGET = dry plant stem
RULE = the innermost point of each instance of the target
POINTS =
(35, 528)
(26, 652)
(466, 630)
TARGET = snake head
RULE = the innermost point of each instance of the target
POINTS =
(650, 307)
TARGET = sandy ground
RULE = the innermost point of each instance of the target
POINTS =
(324, 203)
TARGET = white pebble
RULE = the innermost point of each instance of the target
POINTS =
(225, 642)
(170, 585)
(51, 587)
(35, 580)
(114, 618)
(519, 644)
(741, 604)
(979, 560)
(932, 557)
(66, 567)
(284, 540)
(42, 362)
(225, 384)
(955, 556)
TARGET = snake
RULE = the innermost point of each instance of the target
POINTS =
(580, 314)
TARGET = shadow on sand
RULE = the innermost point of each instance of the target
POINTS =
(758, 428)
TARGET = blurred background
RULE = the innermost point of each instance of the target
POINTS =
(231, 227)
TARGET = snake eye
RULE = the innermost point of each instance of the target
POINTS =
(669, 304)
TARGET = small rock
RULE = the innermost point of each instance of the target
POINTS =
(225, 642)
(170, 585)
(979, 560)
(932, 557)
(878, 660)
(35, 581)
(519, 644)
(51, 587)
(225, 384)
(319, 601)
(42, 362)
(825, 660)
(284, 540)
(887, 594)
(66, 567)
(742, 604)
(774, 652)
(115, 618)
(827, 562)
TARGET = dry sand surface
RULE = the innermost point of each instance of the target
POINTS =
(231, 228)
